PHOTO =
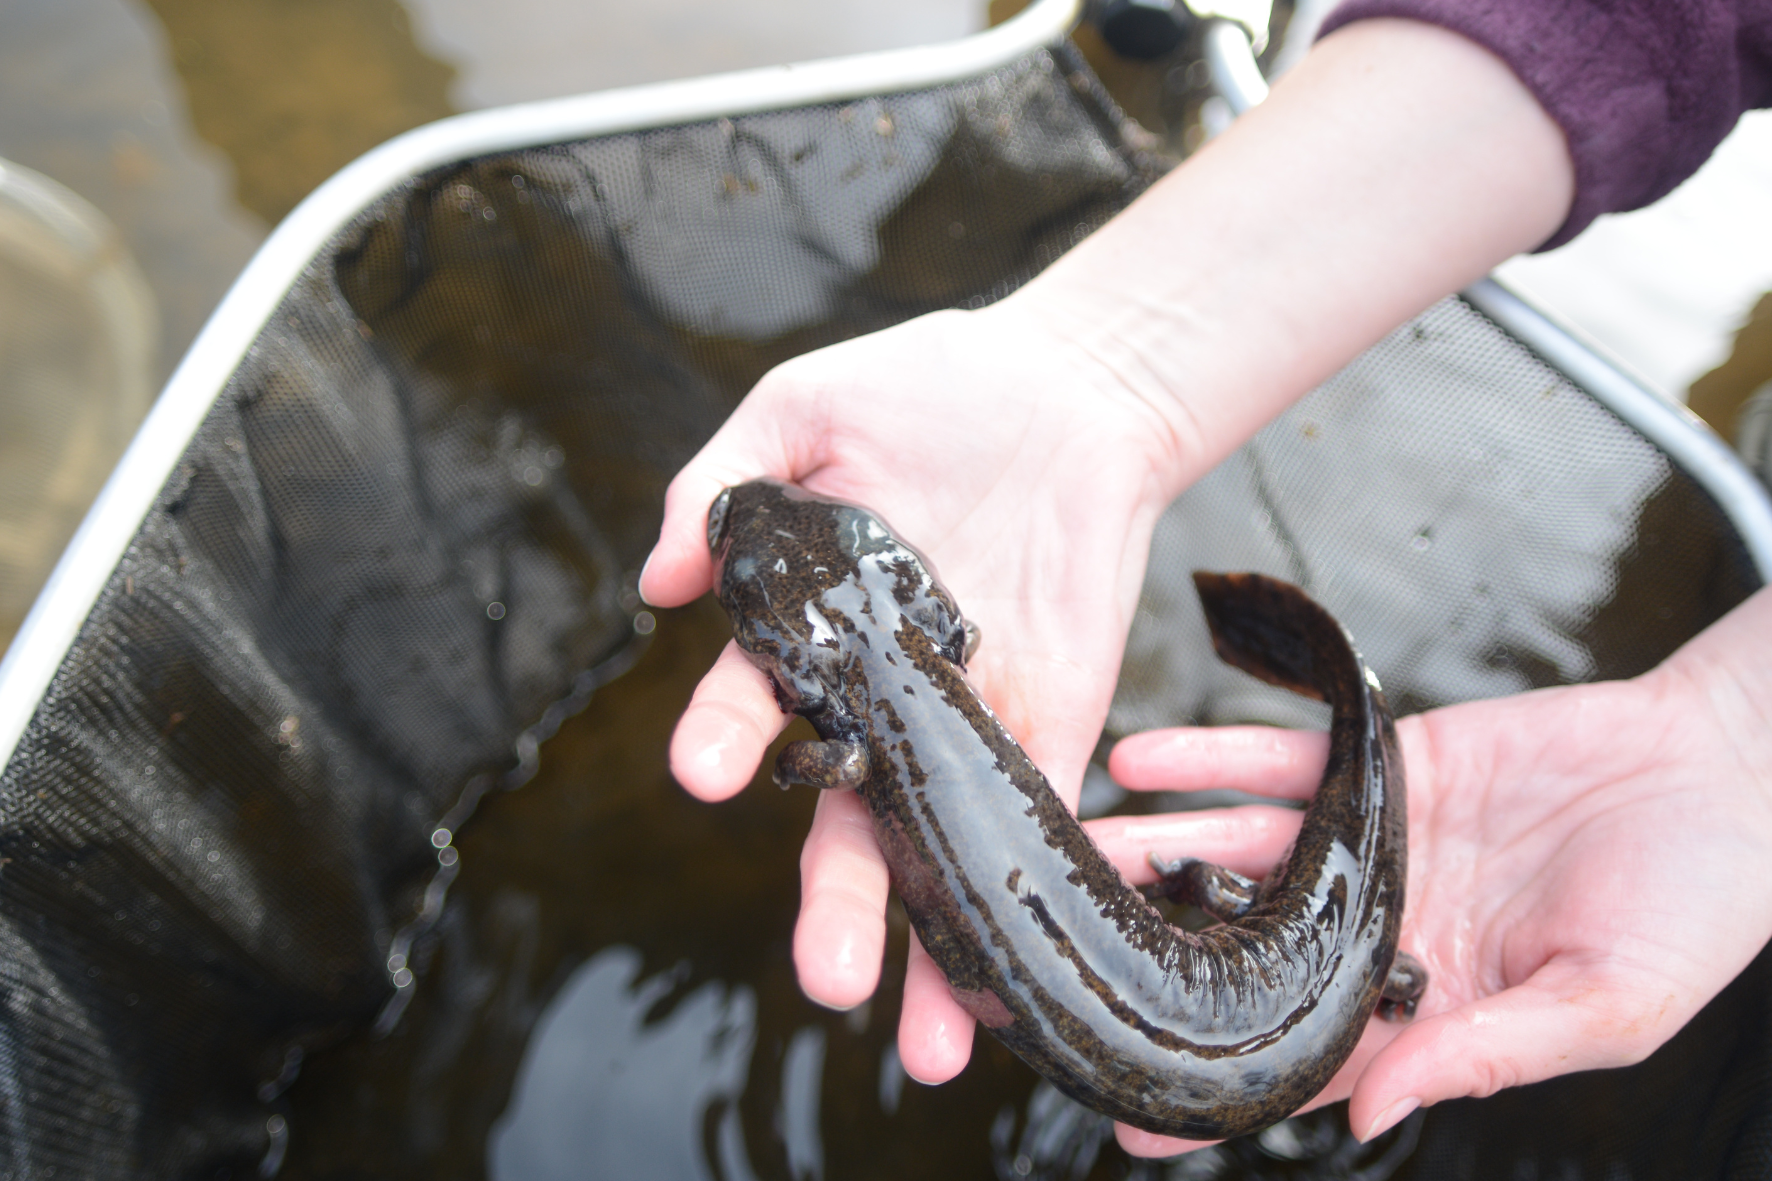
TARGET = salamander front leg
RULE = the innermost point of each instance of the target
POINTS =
(1224, 895)
(821, 764)
(1402, 988)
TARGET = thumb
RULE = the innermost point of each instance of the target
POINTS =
(750, 445)
(680, 568)
(1561, 1020)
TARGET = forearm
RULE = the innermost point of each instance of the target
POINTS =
(1396, 164)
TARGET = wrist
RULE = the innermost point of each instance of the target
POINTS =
(1397, 164)
(1085, 336)
(1096, 376)
(1722, 677)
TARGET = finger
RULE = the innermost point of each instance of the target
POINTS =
(680, 567)
(841, 933)
(934, 1032)
(1559, 1021)
(730, 722)
(1284, 764)
(1141, 1143)
(1247, 840)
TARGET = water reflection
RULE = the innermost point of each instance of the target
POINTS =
(892, 1080)
(1059, 1141)
(632, 1077)
(802, 1073)
(1053, 1138)
(841, 179)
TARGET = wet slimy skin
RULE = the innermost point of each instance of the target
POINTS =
(1197, 1034)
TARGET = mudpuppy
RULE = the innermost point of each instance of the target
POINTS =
(1198, 1034)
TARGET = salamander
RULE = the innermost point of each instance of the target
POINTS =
(1200, 1034)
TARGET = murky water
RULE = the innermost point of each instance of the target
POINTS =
(647, 936)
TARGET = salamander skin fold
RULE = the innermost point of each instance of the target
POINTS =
(1196, 1034)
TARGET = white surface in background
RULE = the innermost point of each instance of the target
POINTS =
(531, 49)
(1664, 289)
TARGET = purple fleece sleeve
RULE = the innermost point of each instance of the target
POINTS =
(1644, 89)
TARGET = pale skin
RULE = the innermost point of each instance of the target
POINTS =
(1587, 864)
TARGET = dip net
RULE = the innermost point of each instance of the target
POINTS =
(248, 922)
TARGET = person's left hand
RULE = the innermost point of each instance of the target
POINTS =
(1030, 475)
(1588, 866)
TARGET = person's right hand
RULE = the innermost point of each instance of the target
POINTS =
(1588, 865)
(1031, 478)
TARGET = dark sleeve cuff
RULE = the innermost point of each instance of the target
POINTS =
(1643, 89)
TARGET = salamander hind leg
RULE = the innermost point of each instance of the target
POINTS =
(821, 764)
(1402, 988)
(1224, 895)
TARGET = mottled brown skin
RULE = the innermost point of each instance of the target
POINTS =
(1202, 1035)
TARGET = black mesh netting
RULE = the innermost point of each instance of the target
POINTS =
(394, 574)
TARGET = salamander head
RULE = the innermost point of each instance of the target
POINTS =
(806, 579)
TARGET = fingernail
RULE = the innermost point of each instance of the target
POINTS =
(1390, 1117)
(647, 565)
(830, 1005)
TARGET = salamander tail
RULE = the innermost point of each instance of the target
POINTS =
(1274, 631)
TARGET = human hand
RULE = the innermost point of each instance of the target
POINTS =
(1028, 448)
(1589, 865)
(1031, 478)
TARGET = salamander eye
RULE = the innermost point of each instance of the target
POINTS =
(926, 602)
(717, 519)
(941, 622)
